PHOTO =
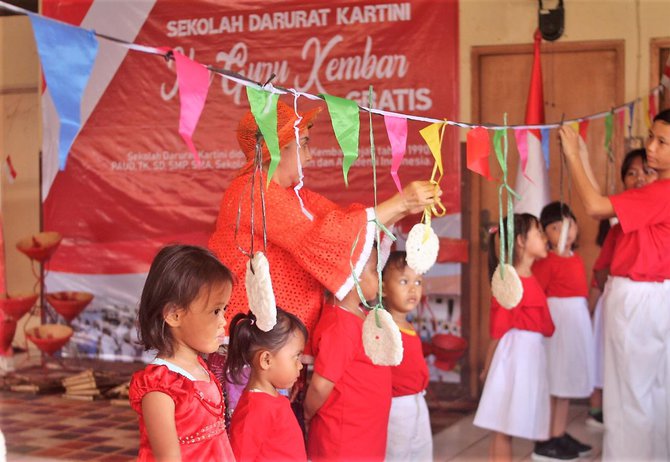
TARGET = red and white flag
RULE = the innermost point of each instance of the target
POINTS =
(9, 169)
(533, 183)
(665, 78)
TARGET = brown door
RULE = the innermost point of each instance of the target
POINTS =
(580, 78)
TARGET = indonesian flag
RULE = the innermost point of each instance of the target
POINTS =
(533, 183)
(665, 79)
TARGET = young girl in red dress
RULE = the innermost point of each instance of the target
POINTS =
(264, 427)
(402, 288)
(515, 399)
(349, 398)
(570, 350)
(179, 401)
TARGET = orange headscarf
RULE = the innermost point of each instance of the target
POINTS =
(247, 131)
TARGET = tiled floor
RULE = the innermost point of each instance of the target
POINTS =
(463, 442)
(48, 428)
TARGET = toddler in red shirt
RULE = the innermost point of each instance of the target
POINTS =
(263, 426)
(515, 400)
(348, 399)
(401, 291)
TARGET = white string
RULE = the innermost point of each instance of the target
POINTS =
(283, 91)
(296, 130)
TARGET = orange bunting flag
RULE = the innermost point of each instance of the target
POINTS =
(478, 150)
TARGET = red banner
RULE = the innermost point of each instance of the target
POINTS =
(131, 184)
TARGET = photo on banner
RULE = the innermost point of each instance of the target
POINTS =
(132, 185)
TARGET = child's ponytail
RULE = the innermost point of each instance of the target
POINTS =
(246, 339)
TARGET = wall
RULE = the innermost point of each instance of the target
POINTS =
(490, 22)
(19, 126)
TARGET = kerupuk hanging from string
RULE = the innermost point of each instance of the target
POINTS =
(258, 282)
(382, 341)
(506, 285)
(423, 245)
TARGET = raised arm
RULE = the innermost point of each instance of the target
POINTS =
(595, 204)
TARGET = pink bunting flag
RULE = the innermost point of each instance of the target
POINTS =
(583, 128)
(521, 136)
(478, 149)
(396, 128)
(193, 80)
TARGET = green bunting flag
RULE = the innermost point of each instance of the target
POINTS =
(346, 124)
(264, 108)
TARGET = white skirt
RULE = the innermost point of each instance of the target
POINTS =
(599, 344)
(571, 359)
(515, 400)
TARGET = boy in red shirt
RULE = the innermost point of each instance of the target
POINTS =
(349, 398)
(637, 319)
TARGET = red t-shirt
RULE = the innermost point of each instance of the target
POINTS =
(264, 428)
(606, 255)
(532, 312)
(352, 423)
(411, 375)
(643, 250)
(562, 276)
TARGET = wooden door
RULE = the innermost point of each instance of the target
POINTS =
(579, 78)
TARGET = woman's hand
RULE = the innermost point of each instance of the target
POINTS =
(569, 141)
(418, 195)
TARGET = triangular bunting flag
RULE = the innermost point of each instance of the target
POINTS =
(193, 81)
(521, 136)
(9, 169)
(545, 132)
(264, 108)
(478, 149)
(396, 128)
(67, 54)
(584, 128)
(432, 134)
(345, 116)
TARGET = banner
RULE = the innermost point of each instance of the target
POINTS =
(132, 185)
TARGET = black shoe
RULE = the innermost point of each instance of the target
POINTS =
(595, 419)
(553, 449)
(577, 446)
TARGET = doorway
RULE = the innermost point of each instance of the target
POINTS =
(580, 78)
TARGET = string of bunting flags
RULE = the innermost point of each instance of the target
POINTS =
(67, 54)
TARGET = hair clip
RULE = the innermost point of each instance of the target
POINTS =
(493, 229)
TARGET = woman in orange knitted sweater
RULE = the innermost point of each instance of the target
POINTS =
(309, 244)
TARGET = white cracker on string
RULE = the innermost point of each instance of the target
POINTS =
(422, 246)
(383, 345)
(563, 236)
(508, 290)
(259, 292)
